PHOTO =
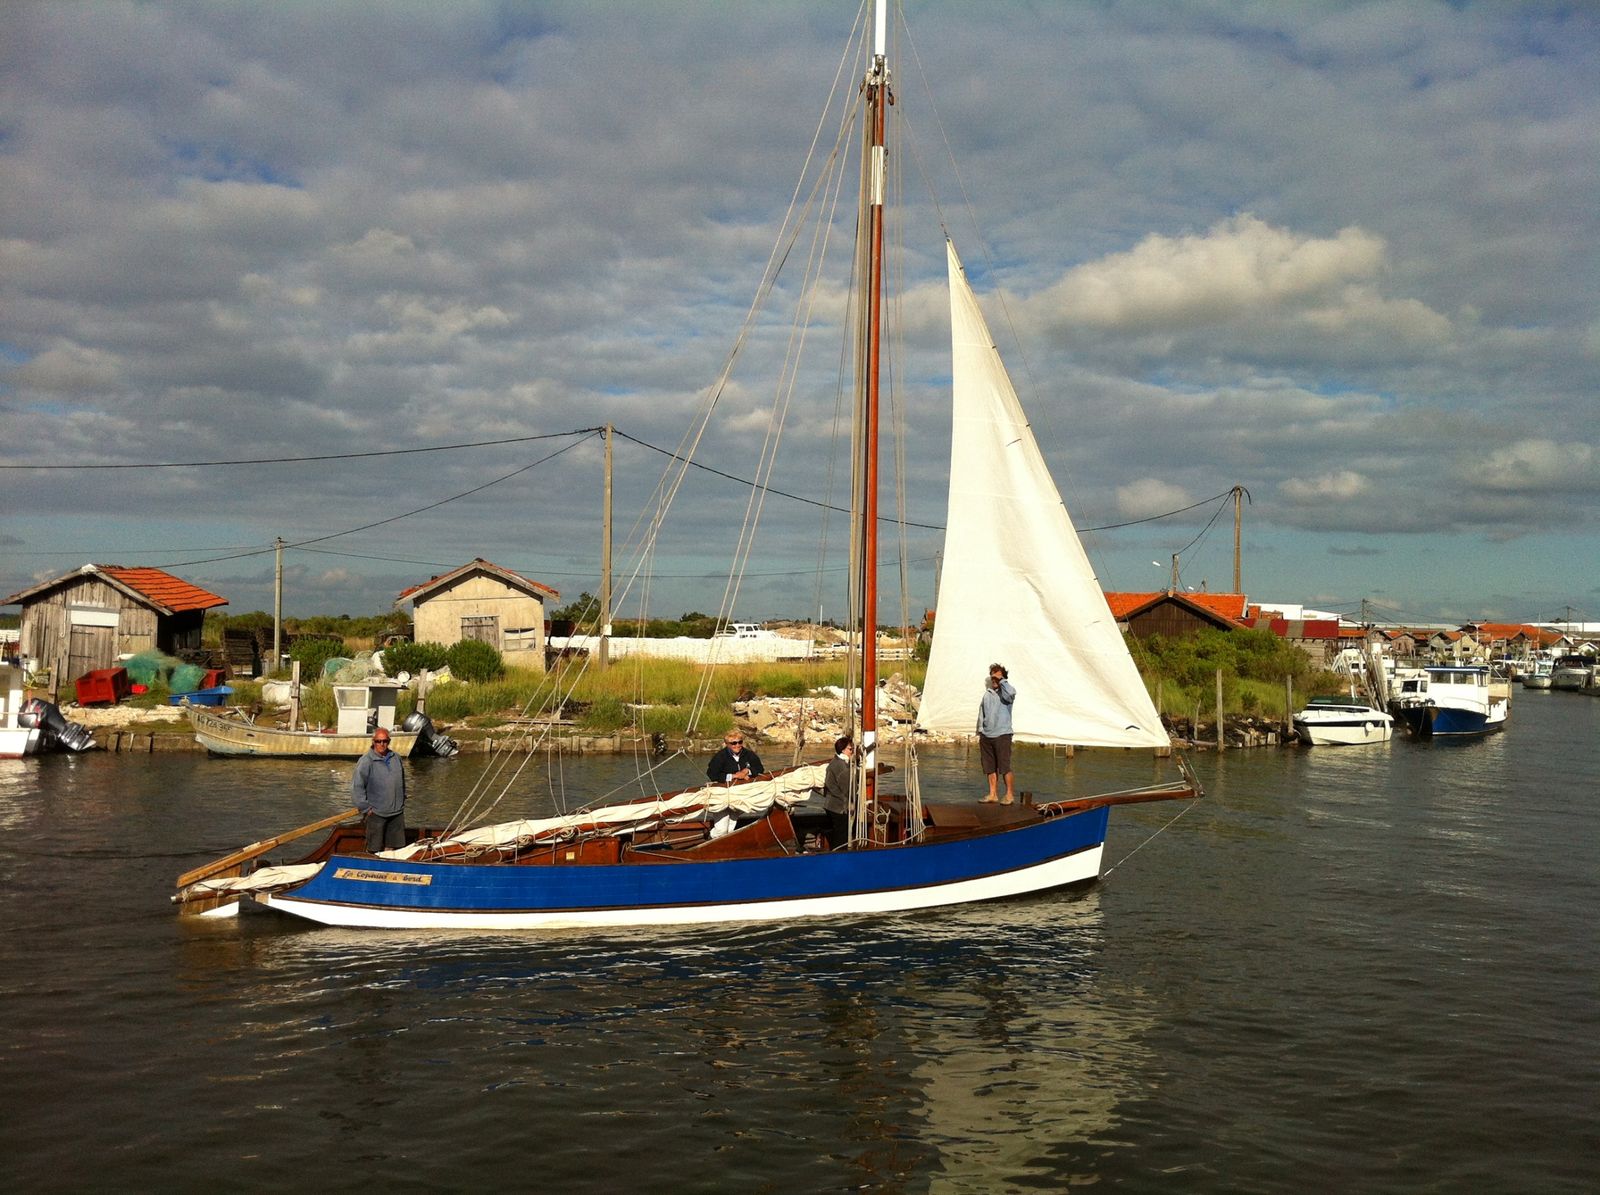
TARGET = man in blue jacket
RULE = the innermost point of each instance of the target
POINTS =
(994, 731)
(379, 791)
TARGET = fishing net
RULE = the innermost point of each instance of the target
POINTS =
(186, 678)
(150, 667)
(331, 666)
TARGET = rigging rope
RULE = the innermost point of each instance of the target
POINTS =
(1187, 805)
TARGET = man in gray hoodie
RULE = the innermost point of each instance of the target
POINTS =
(379, 791)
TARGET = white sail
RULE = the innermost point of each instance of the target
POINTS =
(1016, 588)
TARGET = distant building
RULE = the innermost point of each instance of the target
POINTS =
(84, 620)
(483, 601)
(1170, 613)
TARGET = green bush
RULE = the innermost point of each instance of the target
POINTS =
(413, 658)
(314, 653)
(474, 660)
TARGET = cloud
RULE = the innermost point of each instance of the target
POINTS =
(1337, 550)
(1538, 465)
(67, 368)
(1150, 496)
(1329, 487)
(1239, 267)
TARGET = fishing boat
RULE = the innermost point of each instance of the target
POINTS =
(1338, 722)
(362, 707)
(229, 732)
(1017, 586)
(1449, 701)
(1536, 674)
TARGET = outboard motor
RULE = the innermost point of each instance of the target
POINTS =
(54, 730)
(429, 739)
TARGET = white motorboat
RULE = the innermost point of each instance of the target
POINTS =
(1337, 722)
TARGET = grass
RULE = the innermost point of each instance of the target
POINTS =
(654, 696)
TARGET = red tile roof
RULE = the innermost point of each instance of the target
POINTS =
(163, 589)
(160, 590)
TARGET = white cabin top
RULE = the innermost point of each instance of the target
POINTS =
(746, 630)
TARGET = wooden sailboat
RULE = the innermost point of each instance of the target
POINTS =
(658, 861)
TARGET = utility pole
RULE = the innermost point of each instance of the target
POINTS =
(1239, 494)
(1174, 572)
(605, 562)
(277, 606)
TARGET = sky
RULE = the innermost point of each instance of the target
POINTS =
(1341, 255)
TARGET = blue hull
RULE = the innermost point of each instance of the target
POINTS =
(1442, 722)
(1030, 857)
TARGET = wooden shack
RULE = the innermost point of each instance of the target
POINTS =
(1172, 614)
(483, 601)
(86, 619)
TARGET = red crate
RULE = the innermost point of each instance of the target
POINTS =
(104, 686)
(214, 677)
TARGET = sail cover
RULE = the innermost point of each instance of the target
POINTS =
(1017, 588)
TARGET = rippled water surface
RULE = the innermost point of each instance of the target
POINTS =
(1356, 968)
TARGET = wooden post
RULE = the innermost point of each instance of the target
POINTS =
(294, 695)
(1220, 740)
(1288, 698)
(421, 703)
(277, 609)
(604, 657)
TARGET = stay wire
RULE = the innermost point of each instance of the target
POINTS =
(1187, 805)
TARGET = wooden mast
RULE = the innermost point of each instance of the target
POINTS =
(877, 88)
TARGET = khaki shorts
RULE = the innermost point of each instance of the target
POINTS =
(995, 753)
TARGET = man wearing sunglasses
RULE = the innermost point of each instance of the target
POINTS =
(733, 762)
(379, 791)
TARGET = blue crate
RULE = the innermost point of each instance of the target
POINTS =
(216, 695)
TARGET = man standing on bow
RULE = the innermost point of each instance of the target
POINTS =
(378, 789)
(994, 731)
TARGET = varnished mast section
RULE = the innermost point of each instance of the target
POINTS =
(877, 89)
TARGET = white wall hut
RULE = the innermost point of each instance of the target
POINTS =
(483, 601)
(82, 621)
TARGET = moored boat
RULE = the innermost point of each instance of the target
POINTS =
(1571, 673)
(228, 732)
(1449, 701)
(1337, 722)
(16, 740)
(1536, 673)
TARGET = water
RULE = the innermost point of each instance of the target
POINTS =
(1349, 968)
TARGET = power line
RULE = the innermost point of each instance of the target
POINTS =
(330, 456)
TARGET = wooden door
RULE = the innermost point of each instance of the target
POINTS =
(91, 648)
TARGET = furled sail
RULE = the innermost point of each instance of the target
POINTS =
(1017, 588)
